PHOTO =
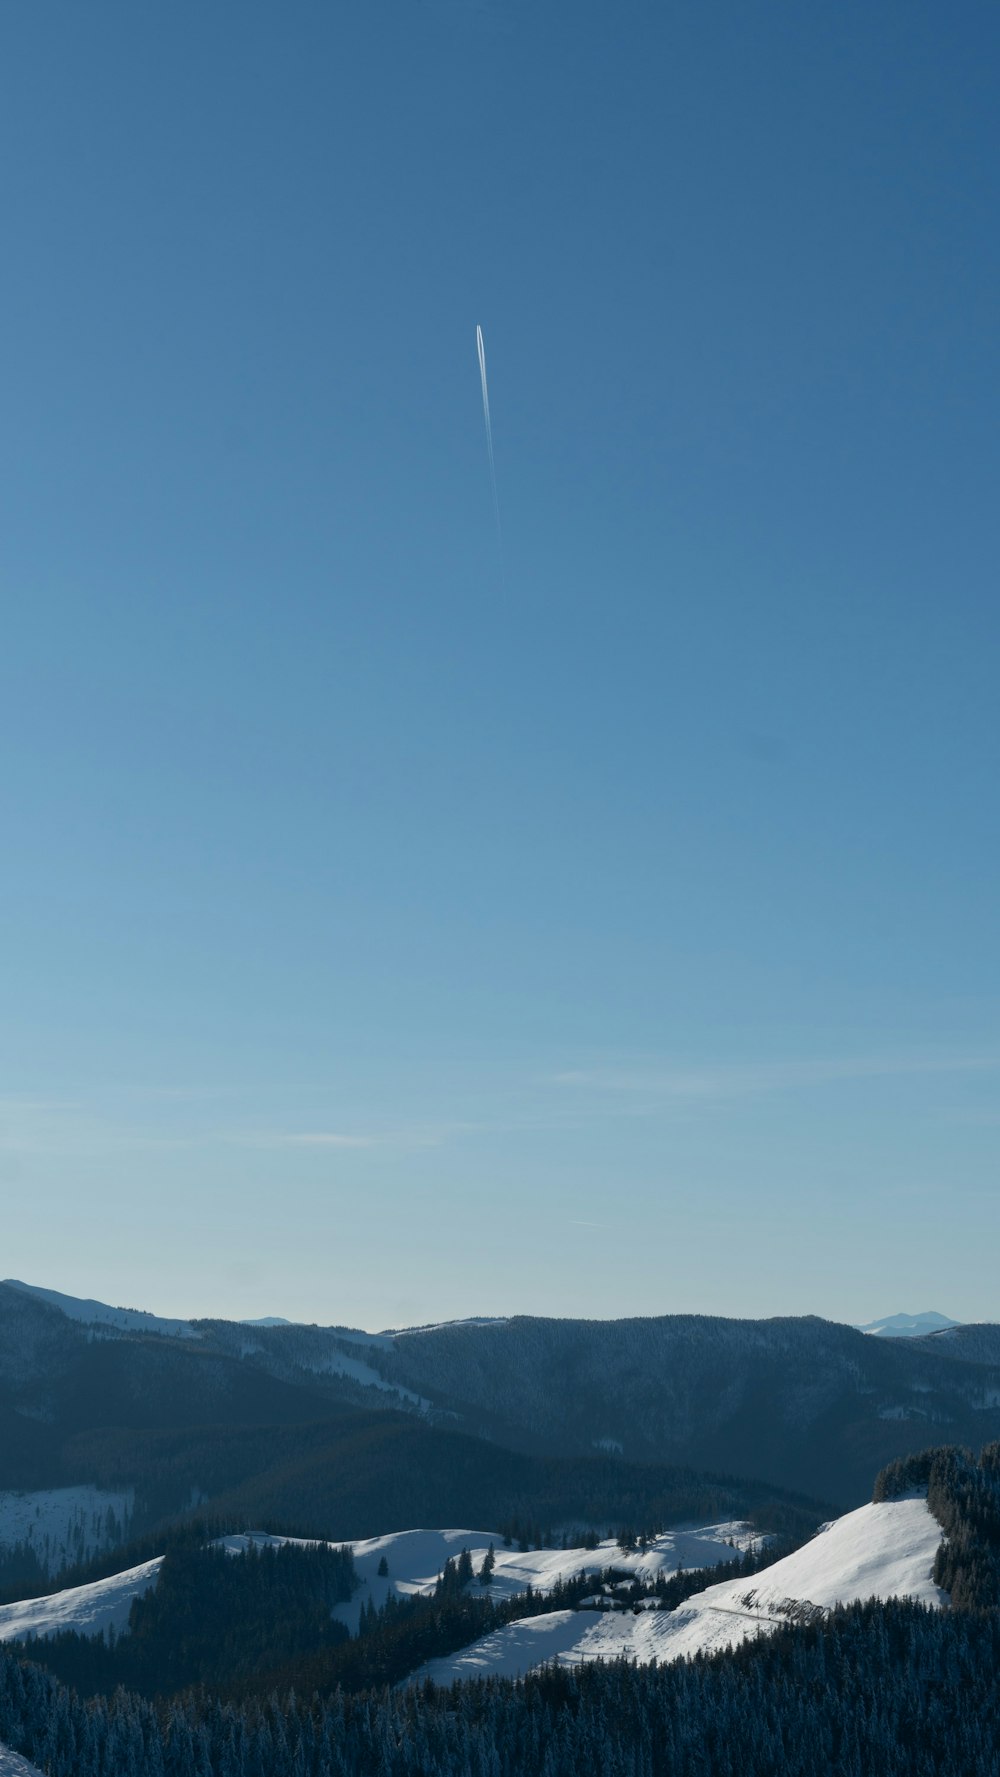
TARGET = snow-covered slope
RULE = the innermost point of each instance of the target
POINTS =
(338, 1363)
(86, 1609)
(415, 1558)
(65, 1524)
(132, 1320)
(879, 1551)
(13, 1765)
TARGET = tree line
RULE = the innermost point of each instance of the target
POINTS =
(213, 1619)
(963, 1492)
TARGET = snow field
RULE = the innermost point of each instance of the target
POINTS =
(879, 1551)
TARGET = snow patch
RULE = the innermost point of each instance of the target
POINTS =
(337, 1363)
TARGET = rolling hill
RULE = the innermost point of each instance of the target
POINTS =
(879, 1551)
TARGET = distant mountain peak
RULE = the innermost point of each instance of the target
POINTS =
(909, 1326)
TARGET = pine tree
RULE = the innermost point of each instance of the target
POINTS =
(464, 1570)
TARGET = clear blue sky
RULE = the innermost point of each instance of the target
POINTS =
(386, 936)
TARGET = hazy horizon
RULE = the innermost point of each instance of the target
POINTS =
(172, 1312)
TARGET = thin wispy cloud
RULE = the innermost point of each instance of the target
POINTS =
(14, 1107)
(321, 1138)
(668, 1082)
(331, 1140)
(172, 1119)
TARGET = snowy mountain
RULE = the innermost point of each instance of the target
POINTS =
(908, 1326)
(879, 1551)
(99, 1314)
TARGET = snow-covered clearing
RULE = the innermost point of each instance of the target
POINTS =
(415, 1558)
(86, 1609)
(64, 1524)
(879, 1551)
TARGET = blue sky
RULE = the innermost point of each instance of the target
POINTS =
(389, 935)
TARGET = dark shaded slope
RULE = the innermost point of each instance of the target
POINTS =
(801, 1402)
(397, 1474)
(69, 1396)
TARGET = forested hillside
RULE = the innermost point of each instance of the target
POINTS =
(366, 1475)
(214, 1619)
(804, 1402)
(895, 1688)
(889, 1689)
(349, 1434)
(963, 1492)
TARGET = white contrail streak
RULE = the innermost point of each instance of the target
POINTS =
(481, 349)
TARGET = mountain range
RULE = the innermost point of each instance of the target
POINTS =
(469, 1421)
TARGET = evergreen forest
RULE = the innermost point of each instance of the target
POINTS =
(233, 1667)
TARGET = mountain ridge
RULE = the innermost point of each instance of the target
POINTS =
(801, 1403)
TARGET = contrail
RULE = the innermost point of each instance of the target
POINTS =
(481, 349)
